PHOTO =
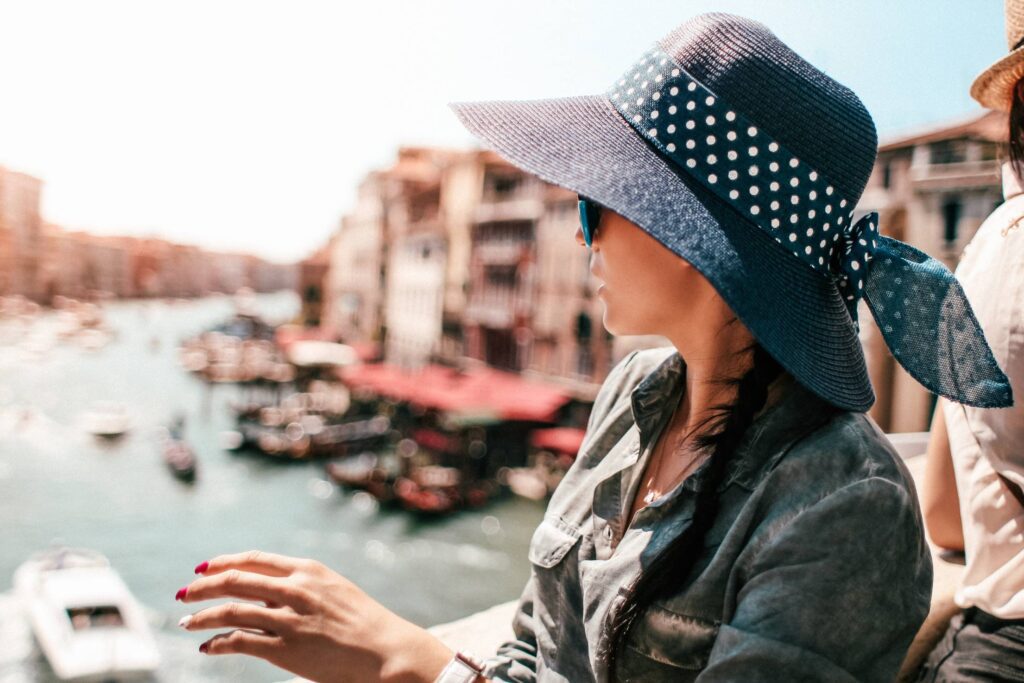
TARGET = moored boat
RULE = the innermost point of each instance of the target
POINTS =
(107, 420)
(436, 490)
(552, 452)
(368, 471)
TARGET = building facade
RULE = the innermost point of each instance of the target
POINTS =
(21, 234)
(932, 189)
(472, 261)
(417, 255)
(354, 284)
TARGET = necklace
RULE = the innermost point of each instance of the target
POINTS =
(655, 492)
(660, 453)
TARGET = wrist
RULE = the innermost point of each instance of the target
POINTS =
(463, 668)
(417, 657)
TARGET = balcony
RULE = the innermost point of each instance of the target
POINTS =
(514, 208)
(510, 199)
(495, 310)
(501, 252)
(962, 175)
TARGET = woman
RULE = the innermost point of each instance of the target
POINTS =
(973, 495)
(732, 513)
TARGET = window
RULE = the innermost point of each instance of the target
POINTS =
(950, 219)
(989, 151)
(101, 616)
(887, 175)
(501, 276)
(949, 151)
(502, 185)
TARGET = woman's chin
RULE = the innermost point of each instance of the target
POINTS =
(615, 324)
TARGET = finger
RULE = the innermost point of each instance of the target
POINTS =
(247, 586)
(251, 561)
(240, 615)
(243, 643)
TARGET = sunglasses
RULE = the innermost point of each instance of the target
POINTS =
(590, 217)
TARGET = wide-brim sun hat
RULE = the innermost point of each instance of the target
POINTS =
(746, 161)
(993, 88)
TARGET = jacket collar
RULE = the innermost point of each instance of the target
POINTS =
(796, 412)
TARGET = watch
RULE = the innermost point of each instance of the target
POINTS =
(463, 668)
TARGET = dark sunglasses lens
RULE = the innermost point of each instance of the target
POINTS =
(590, 216)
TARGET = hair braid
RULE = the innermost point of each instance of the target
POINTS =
(721, 435)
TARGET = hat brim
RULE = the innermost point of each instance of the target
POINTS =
(993, 88)
(584, 145)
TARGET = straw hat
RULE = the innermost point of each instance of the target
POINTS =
(994, 87)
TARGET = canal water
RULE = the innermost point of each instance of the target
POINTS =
(60, 485)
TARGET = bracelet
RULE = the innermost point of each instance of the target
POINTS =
(462, 668)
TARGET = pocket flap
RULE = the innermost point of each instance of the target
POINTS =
(678, 640)
(551, 541)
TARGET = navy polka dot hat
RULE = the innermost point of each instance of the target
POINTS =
(742, 158)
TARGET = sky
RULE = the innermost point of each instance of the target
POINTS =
(247, 126)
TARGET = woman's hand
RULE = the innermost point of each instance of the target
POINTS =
(313, 622)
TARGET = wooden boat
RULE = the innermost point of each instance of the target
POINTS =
(552, 452)
(180, 459)
(370, 472)
(308, 436)
(435, 490)
(426, 500)
(177, 454)
(352, 435)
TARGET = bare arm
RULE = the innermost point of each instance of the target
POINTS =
(940, 503)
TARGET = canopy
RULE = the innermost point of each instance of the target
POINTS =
(477, 391)
(558, 439)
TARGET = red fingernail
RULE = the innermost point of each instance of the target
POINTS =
(204, 647)
(180, 595)
(200, 568)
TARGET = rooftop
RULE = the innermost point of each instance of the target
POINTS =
(987, 125)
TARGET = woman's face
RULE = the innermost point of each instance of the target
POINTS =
(647, 289)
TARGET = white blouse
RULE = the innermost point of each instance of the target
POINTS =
(986, 443)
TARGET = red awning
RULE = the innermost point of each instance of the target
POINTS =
(395, 382)
(435, 440)
(558, 439)
(479, 391)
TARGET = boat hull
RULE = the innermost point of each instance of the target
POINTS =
(85, 620)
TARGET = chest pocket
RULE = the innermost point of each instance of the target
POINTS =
(551, 542)
(673, 640)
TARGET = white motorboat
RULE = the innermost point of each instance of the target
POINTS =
(86, 621)
(107, 419)
(232, 440)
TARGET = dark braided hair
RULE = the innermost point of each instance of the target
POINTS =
(1017, 130)
(720, 435)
